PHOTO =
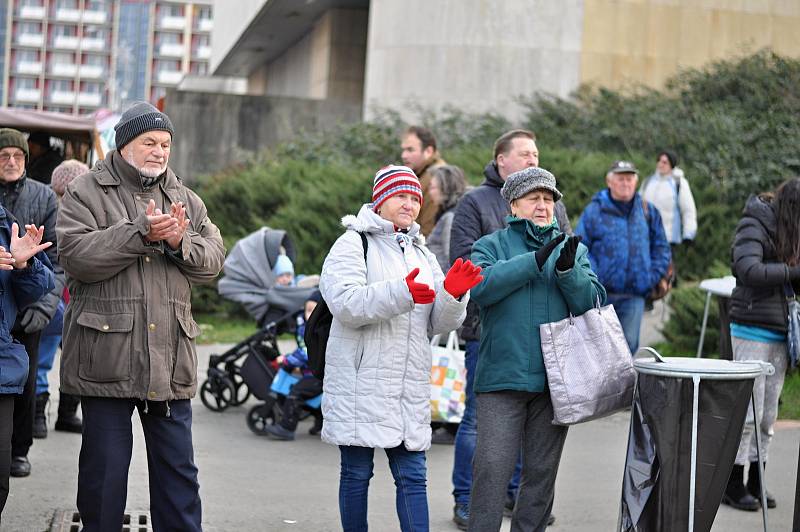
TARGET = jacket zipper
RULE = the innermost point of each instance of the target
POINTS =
(408, 348)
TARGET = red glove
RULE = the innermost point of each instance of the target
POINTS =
(461, 277)
(422, 294)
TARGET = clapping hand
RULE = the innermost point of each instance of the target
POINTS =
(22, 247)
(544, 252)
(421, 293)
(462, 276)
(566, 260)
(178, 212)
(162, 226)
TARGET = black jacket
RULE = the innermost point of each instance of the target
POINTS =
(31, 202)
(41, 168)
(759, 297)
(480, 212)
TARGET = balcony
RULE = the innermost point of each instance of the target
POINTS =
(90, 99)
(27, 95)
(92, 71)
(172, 23)
(93, 43)
(169, 77)
(202, 52)
(31, 39)
(171, 50)
(64, 69)
(62, 97)
(66, 42)
(95, 17)
(68, 15)
(32, 12)
(29, 67)
(205, 24)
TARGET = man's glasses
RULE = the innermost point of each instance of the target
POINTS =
(18, 158)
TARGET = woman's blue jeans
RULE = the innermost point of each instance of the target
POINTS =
(409, 472)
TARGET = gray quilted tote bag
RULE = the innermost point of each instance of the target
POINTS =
(589, 366)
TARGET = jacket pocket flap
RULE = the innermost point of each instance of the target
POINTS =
(106, 323)
(189, 326)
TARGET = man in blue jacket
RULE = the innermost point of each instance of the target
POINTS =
(23, 280)
(627, 246)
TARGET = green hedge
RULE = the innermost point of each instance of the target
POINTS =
(732, 123)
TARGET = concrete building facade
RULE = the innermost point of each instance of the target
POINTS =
(75, 56)
(480, 55)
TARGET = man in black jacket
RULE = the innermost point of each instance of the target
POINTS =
(480, 212)
(30, 202)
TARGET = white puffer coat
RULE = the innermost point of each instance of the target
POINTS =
(378, 358)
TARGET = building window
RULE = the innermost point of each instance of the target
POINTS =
(170, 10)
(96, 5)
(31, 3)
(29, 28)
(61, 85)
(64, 31)
(27, 56)
(94, 60)
(62, 58)
(95, 32)
(25, 83)
(167, 66)
(168, 38)
(92, 88)
(66, 4)
(200, 69)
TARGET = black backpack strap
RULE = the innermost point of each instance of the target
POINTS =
(364, 244)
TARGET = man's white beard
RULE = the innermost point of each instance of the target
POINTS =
(147, 172)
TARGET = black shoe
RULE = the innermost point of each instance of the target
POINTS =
(279, 433)
(39, 416)
(69, 424)
(68, 420)
(461, 516)
(442, 436)
(317, 428)
(754, 485)
(20, 466)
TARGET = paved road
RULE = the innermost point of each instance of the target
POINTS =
(253, 483)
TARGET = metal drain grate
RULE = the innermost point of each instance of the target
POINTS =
(70, 521)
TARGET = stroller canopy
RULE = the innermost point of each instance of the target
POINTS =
(249, 279)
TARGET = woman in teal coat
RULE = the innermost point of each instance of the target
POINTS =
(533, 274)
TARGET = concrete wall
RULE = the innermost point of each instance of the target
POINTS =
(471, 53)
(213, 131)
(229, 24)
(630, 41)
(328, 62)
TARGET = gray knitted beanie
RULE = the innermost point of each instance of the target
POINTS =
(139, 118)
(532, 178)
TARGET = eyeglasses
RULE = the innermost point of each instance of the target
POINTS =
(18, 157)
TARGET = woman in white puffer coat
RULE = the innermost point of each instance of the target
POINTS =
(387, 295)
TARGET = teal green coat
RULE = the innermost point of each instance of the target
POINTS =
(515, 297)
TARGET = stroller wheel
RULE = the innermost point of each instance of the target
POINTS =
(217, 393)
(263, 415)
(241, 390)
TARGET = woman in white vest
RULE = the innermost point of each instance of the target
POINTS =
(668, 190)
(387, 294)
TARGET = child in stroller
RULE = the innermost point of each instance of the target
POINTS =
(251, 280)
(306, 392)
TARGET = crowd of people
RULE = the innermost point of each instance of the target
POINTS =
(102, 263)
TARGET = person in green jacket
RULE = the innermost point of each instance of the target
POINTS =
(533, 274)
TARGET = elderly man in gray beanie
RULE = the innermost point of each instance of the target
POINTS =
(133, 240)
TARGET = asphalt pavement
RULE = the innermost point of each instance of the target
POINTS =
(253, 483)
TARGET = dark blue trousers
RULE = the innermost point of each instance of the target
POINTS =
(106, 456)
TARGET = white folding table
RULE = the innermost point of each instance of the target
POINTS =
(721, 287)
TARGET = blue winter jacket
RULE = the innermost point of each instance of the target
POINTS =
(19, 289)
(629, 253)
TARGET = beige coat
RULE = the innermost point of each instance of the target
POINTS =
(128, 330)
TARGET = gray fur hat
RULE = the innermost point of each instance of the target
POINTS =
(532, 178)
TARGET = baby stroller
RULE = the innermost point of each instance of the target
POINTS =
(249, 280)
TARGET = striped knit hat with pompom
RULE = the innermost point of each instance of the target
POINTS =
(393, 180)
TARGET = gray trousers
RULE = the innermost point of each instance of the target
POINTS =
(507, 422)
(767, 391)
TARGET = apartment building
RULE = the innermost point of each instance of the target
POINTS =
(76, 56)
